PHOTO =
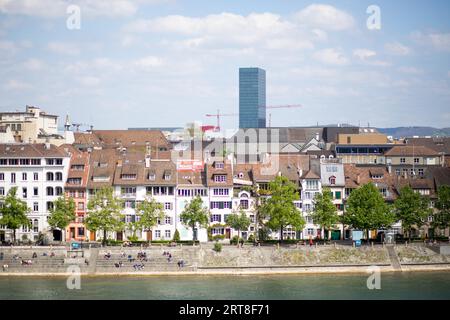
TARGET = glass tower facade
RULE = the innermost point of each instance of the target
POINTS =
(252, 98)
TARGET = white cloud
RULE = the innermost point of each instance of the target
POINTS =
(64, 48)
(397, 49)
(331, 56)
(8, 47)
(149, 62)
(326, 17)
(34, 64)
(363, 54)
(89, 81)
(16, 85)
(410, 70)
(438, 41)
(57, 8)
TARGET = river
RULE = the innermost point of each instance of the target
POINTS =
(417, 285)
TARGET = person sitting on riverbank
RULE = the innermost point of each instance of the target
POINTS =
(139, 266)
(130, 258)
(45, 254)
(108, 255)
(122, 254)
(15, 257)
(180, 263)
(169, 258)
(26, 262)
(34, 256)
(52, 254)
(5, 267)
(1, 255)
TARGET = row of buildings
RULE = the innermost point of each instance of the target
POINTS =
(225, 173)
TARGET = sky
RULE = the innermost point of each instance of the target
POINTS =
(164, 63)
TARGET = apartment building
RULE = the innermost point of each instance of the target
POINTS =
(39, 172)
(411, 160)
(76, 189)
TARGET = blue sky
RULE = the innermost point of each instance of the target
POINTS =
(153, 63)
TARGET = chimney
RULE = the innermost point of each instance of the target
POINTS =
(147, 161)
(317, 136)
(47, 144)
(358, 179)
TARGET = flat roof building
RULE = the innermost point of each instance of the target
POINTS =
(252, 98)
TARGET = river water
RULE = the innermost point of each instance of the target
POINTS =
(426, 285)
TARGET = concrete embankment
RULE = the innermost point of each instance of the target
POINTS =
(203, 260)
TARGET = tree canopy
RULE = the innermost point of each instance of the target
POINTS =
(325, 212)
(411, 208)
(238, 221)
(104, 212)
(14, 212)
(195, 214)
(279, 209)
(62, 213)
(367, 210)
(441, 218)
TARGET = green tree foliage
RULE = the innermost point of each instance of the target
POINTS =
(325, 213)
(148, 212)
(176, 236)
(104, 212)
(367, 210)
(14, 212)
(279, 209)
(238, 222)
(442, 217)
(195, 214)
(412, 209)
(62, 213)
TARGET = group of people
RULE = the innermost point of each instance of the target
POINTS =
(108, 255)
(168, 255)
(180, 263)
(142, 255)
(138, 266)
(118, 264)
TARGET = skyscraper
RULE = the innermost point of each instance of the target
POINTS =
(252, 98)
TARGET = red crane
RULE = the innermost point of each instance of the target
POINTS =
(218, 114)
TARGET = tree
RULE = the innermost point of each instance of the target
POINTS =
(238, 222)
(367, 209)
(148, 212)
(195, 214)
(279, 209)
(104, 212)
(176, 236)
(411, 208)
(442, 217)
(325, 213)
(62, 213)
(14, 212)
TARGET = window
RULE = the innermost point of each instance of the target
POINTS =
(167, 177)
(244, 204)
(2, 176)
(24, 176)
(128, 176)
(420, 172)
(307, 207)
(13, 162)
(167, 234)
(397, 172)
(168, 220)
(129, 191)
(310, 232)
(130, 204)
(35, 225)
(416, 160)
(3, 162)
(80, 231)
(24, 193)
(332, 180)
(50, 176)
(13, 178)
(80, 194)
(402, 160)
(24, 162)
(59, 176)
(168, 205)
(49, 205)
(221, 204)
(220, 178)
(49, 162)
(50, 191)
(2, 191)
(35, 162)
(312, 184)
(220, 192)
(59, 191)
(216, 218)
(77, 167)
(157, 233)
(75, 181)
(59, 162)
(219, 165)
(151, 176)
(35, 176)
(35, 206)
(338, 195)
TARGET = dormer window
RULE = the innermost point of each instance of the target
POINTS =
(151, 176)
(332, 180)
(220, 178)
(219, 165)
(128, 176)
(167, 177)
(241, 175)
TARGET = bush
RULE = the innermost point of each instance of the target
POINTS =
(251, 238)
(133, 238)
(176, 236)
(218, 237)
(234, 240)
(217, 247)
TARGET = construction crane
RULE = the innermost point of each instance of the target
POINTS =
(280, 107)
(78, 125)
(218, 114)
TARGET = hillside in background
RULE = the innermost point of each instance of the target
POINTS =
(401, 132)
